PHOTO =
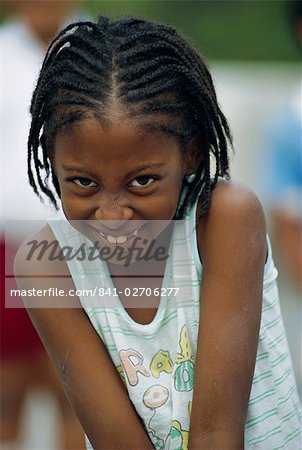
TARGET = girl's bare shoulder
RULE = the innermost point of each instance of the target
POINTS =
(231, 196)
(40, 255)
(235, 215)
(42, 274)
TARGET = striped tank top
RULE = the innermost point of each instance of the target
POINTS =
(156, 361)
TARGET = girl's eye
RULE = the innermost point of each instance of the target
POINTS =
(84, 182)
(144, 180)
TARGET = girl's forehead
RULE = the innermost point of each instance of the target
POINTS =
(119, 130)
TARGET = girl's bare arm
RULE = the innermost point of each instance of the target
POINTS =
(232, 248)
(87, 373)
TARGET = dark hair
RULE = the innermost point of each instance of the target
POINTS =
(152, 72)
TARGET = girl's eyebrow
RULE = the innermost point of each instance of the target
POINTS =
(145, 167)
(77, 169)
(140, 168)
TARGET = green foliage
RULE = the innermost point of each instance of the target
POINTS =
(236, 30)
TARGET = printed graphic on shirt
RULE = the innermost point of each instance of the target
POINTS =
(132, 362)
(178, 439)
(184, 374)
(139, 371)
(161, 362)
(155, 397)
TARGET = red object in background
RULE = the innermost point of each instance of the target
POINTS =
(18, 336)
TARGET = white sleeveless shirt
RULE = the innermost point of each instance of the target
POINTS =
(156, 361)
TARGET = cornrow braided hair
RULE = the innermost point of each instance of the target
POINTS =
(152, 72)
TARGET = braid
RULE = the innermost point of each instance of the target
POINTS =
(151, 71)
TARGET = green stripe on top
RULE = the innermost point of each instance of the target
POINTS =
(264, 437)
(103, 310)
(273, 323)
(262, 417)
(270, 306)
(279, 359)
(289, 415)
(262, 396)
(276, 341)
(262, 376)
(283, 377)
(262, 356)
(287, 395)
(292, 435)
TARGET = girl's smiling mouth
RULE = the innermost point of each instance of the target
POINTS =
(121, 239)
(120, 236)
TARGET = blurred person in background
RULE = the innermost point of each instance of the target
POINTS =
(29, 28)
(282, 181)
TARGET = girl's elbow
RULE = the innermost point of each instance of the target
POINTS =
(213, 438)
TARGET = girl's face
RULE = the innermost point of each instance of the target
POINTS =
(118, 174)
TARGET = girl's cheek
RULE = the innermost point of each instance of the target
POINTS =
(74, 207)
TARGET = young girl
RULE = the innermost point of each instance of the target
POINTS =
(126, 116)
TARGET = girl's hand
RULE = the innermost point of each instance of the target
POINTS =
(89, 377)
(232, 248)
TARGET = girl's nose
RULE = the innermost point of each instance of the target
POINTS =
(113, 214)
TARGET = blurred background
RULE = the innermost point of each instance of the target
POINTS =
(253, 49)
